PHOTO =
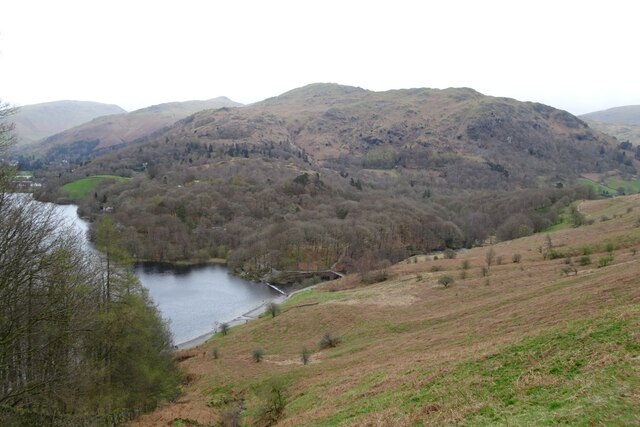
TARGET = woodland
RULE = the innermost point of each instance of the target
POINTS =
(81, 343)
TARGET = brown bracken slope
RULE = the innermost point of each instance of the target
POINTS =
(538, 342)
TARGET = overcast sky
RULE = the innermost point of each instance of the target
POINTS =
(577, 55)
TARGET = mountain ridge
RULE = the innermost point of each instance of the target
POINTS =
(120, 129)
(37, 121)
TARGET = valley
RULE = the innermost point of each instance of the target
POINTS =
(484, 251)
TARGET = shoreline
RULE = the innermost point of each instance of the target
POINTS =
(252, 314)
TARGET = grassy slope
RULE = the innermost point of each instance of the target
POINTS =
(612, 183)
(526, 345)
(79, 188)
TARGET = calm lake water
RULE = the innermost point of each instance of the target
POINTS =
(193, 298)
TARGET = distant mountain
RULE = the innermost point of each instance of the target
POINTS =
(117, 129)
(37, 121)
(629, 115)
(620, 122)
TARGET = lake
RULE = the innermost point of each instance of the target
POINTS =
(194, 299)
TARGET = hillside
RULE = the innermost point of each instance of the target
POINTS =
(37, 121)
(119, 129)
(335, 125)
(621, 131)
(545, 334)
(629, 115)
(329, 174)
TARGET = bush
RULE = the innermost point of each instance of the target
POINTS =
(435, 268)
(484, 271)
(554, 254)
(610, 248)
(605, 261)
(224, 328)
(329, 341)
(465, 264)
(450, 254)
(586, 250)
(445, 281)
(257, 355)
(499, 260)
(463, 274)
(273, 309)
(585, 260)
(376, 276)
(215, 353)
(516, 258)
(489, 257)
(305, 356)
(568, 269)
(273, 403)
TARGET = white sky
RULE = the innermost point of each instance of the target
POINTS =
(577, 55)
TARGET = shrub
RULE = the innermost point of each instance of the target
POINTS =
(490, 257)
(305, 356)
(567, 260)
(633, 251)
(605, 261)
(610, 248)
(450, 254)
(273, 309)
(463, 274)
(499, 260)
(215, 353)
(516, 258)
(465, 264)
(419, 278)
(484, 271)
(376, 276)
(554, 254)
(568, 269)
(329, 341)
(435, 268)
(445, 281)
(585, 260)
(224, 328)
(257, 355)
(586, 250)
(273, 403)
(604, 218)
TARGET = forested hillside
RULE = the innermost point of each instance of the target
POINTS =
(80, 341)
(330, 175)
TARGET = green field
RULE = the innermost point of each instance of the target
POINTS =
(598, 188)
(611, 186)
(79, 188)
(630, 187)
